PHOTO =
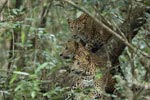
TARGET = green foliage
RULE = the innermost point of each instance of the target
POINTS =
(27, 49)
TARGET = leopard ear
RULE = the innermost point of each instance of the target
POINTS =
(69, 20)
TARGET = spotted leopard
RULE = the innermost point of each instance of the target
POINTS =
(89, 31)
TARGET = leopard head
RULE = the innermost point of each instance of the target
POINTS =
(70, 50)
(77, 27)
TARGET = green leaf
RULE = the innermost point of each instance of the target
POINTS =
(14, 11)
(13, 78)
(98, 75)
(21, 73)
(33, 94)
(22, 37)
(41, 67)
(18, 87)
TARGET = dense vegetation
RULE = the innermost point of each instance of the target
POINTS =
(33, 33)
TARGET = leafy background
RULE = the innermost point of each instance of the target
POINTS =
(35, 50)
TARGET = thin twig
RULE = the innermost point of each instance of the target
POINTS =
(3, 6)
(134, 49)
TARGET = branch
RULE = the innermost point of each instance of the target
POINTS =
(134, 49)
(44, 13)
(3, 6)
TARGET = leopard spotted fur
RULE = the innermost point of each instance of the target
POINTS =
(89, 31)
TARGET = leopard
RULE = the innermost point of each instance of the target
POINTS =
(71, 47)
(89, 31)
(83, 61)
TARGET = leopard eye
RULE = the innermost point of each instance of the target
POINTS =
(79, 28)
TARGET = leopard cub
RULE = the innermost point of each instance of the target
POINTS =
(89, 31)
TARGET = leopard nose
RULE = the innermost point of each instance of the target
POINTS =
(74, 36)
(60, 54)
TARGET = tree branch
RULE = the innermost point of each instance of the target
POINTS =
(3, 6)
